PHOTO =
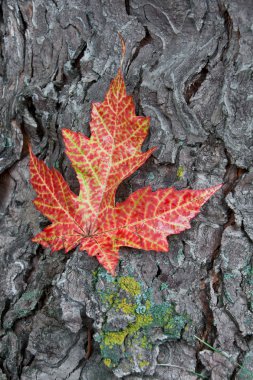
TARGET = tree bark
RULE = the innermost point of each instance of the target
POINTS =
(188, 65)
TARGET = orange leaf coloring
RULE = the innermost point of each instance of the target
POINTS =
(102, 162)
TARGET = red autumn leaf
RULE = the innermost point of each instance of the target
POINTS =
(102, 162)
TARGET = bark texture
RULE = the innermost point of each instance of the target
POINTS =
(189, 66)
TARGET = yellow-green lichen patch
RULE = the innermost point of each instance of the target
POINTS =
(180, 172)
(141, 340)
(143, 364)
(144, 343)
(109, 298)
(148, 305)
(108, 362)
(124, 306)
(130, 285)
(140, 322)
(112, 338)
(132, 320)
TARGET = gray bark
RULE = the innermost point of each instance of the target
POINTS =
(189, 67)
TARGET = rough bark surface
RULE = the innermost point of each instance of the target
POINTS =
(189, 66)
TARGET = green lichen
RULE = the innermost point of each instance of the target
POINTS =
(7, 142)
(56, 164)
(229, 276)
(164, 286)
(228, 297)
(151, 176)
(165, 316)
(248, 273)
(102, 273)
(27, 303)
(180, 256)
(31, 295)
(130, 285)
(128, 296)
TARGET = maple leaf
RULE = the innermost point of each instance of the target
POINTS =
(101, 162)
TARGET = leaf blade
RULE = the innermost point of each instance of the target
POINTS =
(146, 218)
(57, 202)
(102, 162)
